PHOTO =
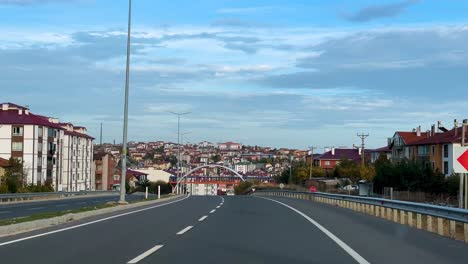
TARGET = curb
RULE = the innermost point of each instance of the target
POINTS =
(19, 228)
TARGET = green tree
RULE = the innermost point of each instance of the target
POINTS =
(216, 158)
(347, 169)
(243, 187)
(14, 175)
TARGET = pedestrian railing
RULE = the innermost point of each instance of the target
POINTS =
(17, 197)
(446, 221)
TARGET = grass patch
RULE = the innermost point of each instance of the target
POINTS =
(47, 215)
(151, 198)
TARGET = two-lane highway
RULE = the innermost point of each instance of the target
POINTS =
(239, 229)
(13, 210)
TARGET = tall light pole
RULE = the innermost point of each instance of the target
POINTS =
(123, 159)
(178, 139)
(311, 161)
(290, 169)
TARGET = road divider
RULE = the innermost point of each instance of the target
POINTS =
(445, 221)
(43, 223)
(28, 197)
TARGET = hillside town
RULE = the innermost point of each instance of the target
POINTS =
(65, 158)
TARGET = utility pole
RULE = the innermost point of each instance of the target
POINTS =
(123, 159)
(178, 140)
(363, 139)
(463, 176)
(100, 138)
(311, 160)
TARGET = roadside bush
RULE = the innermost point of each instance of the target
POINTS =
(243, 188)
(165, 187)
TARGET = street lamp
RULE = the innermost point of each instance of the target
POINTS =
(125, 126)
(178, 140)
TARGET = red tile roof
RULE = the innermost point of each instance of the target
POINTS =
(4, 163)
(73, 133)
(352, 154)
(12, 117)
(442, 138)
(382, 149)
(411, 137)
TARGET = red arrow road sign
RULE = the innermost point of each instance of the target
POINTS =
(463, 159)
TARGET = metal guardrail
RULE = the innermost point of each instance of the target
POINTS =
(11, 197)
(456, 214)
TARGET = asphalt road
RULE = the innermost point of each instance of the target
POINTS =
(8, 211)
(242, 229)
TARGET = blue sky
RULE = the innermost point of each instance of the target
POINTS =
(277, 73)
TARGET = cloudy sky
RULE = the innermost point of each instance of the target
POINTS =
(268, 72)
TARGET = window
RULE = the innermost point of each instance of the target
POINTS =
(49, 173)
(423, 150)
(433, 150)
(445, 167)
(55, 133)
(39, 161)
(446, 151)
(17, 146)
(39, 175)
(116, 177)
(50, 132)
(53, 161)
(39, 147)
(40, 131)
(327, 163)
(78, 164)
(17, 131)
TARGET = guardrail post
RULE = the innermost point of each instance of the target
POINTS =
(395, 215)
(389, 214)
(418, 221)
(410, 219)
(440, 226)
(465, 231)
(429, 223)
(377, 211)
(402, 217)
(453, 229)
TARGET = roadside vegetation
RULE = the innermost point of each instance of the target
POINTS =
(13, 180)
(408, 176)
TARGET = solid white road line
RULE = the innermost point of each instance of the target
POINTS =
(61, 205)
(181, 232)
(202, 218)
(222, 199)
(145, 254)
(212, 211)
(5, 212)
(338, 241)
(35, 208)
(89, 223)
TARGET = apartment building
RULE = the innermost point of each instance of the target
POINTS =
(53, 153)
(436, 149)
(331, 158)
(400, 142)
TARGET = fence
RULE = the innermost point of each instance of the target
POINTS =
(419, 197)
(18, 197)
(445, 221)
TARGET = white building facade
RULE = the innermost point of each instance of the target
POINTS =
(53, 153)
